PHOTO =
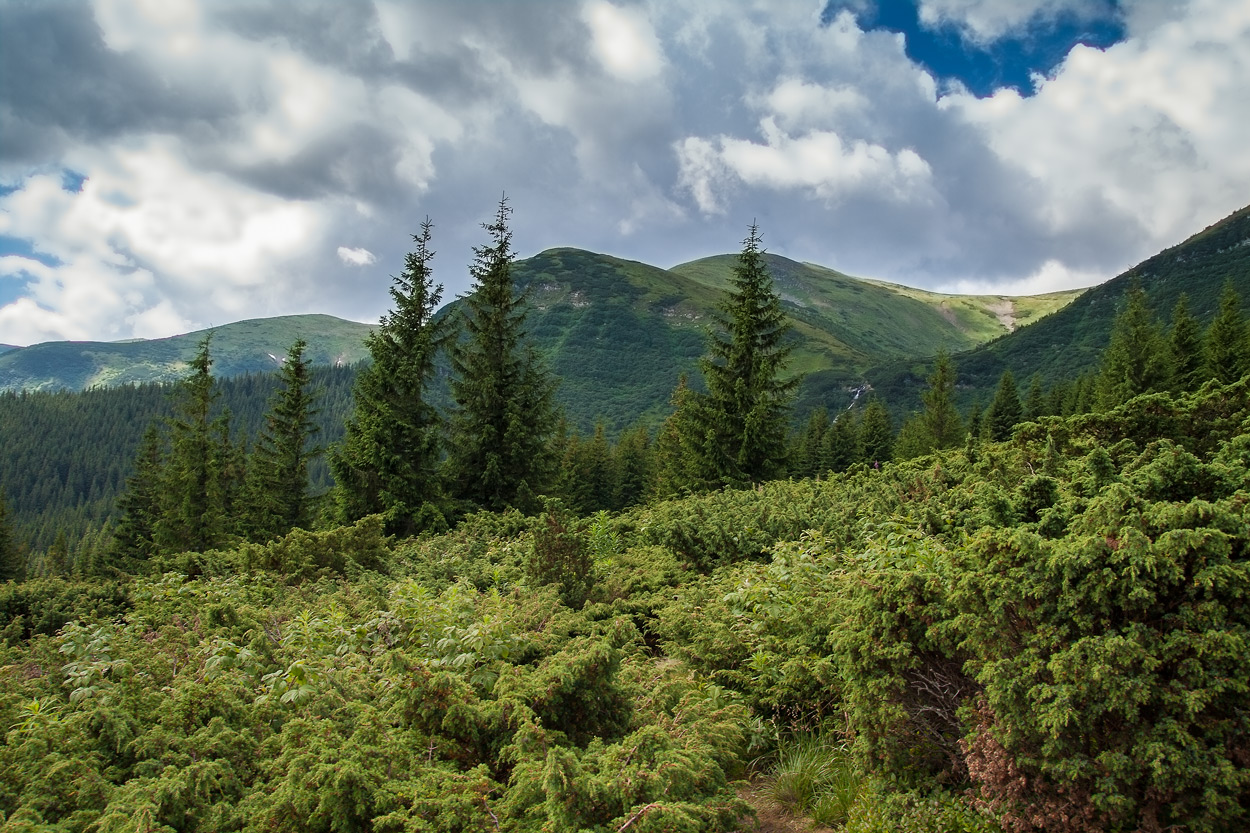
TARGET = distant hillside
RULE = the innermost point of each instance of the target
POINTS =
(1071, 341)
(254, 346)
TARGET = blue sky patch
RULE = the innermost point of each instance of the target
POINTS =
(1009, 61)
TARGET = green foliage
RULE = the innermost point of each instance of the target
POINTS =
(816, 776)
(504, 407)
(738, 428)
(389, 459)
(1136, 361)
(561, 556)
(1005, 411)
(1228, 341)
(1186, 348)
(12, 566)
(276, 488)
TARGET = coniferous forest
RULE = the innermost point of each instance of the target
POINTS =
(379, 610)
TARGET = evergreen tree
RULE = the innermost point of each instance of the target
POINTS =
(388, 461)
(277, 474)
(1136, 361)
(1035, 403)
(140, 505)
(741, 422)
(1005, 411)
(193, 515)
(57, 559)
(841, 444)
(675, 457)
(11, 562)
(504, 397)
(634, 460)
(807, 458)
(1227, 359)
(876, 433)
(940, 421)
(1185, 347)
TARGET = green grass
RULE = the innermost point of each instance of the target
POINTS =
(815, 776)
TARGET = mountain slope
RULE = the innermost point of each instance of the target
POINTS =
(253, 346)
(1071, 341)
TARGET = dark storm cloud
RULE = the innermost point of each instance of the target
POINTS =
(60, 82)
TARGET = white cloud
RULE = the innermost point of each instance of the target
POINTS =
(1052, 276)
(988, 20)
(356, 257)
(623, 41)
(819, 162)
(1152, 129)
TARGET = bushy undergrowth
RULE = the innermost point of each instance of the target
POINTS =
(1045, 634)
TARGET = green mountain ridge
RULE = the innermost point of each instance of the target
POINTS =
(252, 346)
(618, 333)
(1070, 342)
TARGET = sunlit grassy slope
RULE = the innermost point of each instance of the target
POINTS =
(254, 346)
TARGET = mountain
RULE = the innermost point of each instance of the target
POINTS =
(1071, 341)
(254, 346)
(620, 333)
(617, 333)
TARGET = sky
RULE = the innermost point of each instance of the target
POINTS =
(170, 165)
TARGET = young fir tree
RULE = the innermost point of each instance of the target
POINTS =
(276, 490)
(1005, 411)
(940, 421)
(807, 459)
(841, 447)
(1136, 360)
(1227, 347)
(1035, 402)
(505, 410)
(635, 463)
(139, 506)
(57, 560)
(741, 422)
(12, 565)
(388, 461)
(1185, 348)
(876, 433)
(193, 515)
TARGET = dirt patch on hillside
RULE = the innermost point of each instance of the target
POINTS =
(772, 816)
(1005, 312)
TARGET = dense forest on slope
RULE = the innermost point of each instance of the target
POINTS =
(65, 456)
(1046, 633)
(1070, 341)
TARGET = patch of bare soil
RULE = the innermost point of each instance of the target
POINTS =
(773, 817)
(1005, 312)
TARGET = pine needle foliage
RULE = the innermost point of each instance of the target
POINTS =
(742, 421)
(504, 397)
(389, 460)
(277, 476)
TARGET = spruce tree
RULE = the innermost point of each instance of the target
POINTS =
(504, 397)
(139, 507)
(277, 499)
(388, 461)
(876, 433)
(1005, 411)
(11, 562)
(1227, 359)
(741, 422)
(942, 427)
(193, 515)
(841, 447)
(1136, 360)
(1185, 347)
(634, 461)
(1035, 402)
(807, 459)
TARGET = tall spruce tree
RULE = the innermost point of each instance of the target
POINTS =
(504, 397)
(11, 562)
(1005, 411)
(140, 506)
(276, 490)
(193, 517)
(876, 433)
(1227, 346)
(1136, 360)
(389, 459)
(1186, 349)
(940, 420)
(742, 420)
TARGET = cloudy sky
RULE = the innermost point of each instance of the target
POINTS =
(167, 165)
